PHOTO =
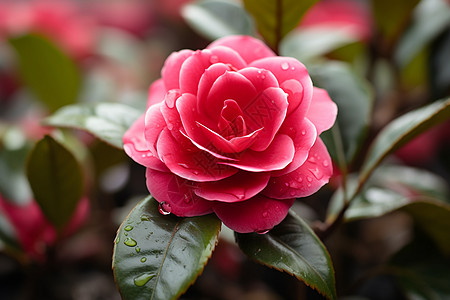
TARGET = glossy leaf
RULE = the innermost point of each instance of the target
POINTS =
(214, 19)
(308, 43)
(294, 248)
(56, 180)
(354, 99)
(51, 75)
(159, 256)
(392, 16)
(107, 121)
(402, 130)
(430, 19)
(276, 18)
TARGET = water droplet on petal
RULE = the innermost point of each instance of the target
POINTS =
(130, 242)
(144, 155)
(141, 280)
(317, 173)
(312, 159)
(299, 179)
(164, 208)
(149, 154)
(303, 132)
(263, 231)
(183, 165)
(186, 198)
(284, 66)
(325, 163)
(309, 178)
(128, 228)
(214, 59)
(292, 193)
(144, 259)
(293, 68)
(170, 126)
(265, 214)
(286, 183)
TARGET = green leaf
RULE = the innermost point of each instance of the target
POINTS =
(56, 180)
(354, 99)
(159, 256)
(47, 71)
(308, 43)
(294, 248)
(107, 121)
(430, 19)
(276, 18)
(402, 130)
(214, 19)
(392, 16)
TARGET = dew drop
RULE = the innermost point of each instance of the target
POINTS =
(183, 165)
(325, 163)
(214, 59)
(309, 178)
(144, 155)
(144, 259)
(292, 68)
(149, 154)
(299, 179)
(292, 193)
(286, 183)
(303, 132)
(317, 173)
(265, 214)
(138, 249)
(284, 66)
(264, 231)
(130, 242)
(186, 198)
(117, 240)
(128, 228)
(261, 75)
(164, 208)
(312, 159)
(145, 218)
(195, 172)
(170, 126)
(141, 280)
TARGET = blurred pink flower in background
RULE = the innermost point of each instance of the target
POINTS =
(350, 15)
(34, 231)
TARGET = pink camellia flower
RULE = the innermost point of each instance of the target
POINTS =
(234, 130)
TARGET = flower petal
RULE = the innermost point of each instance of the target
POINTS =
(249, 48)
(135, 146)
(306, 180)
(288, 68)
(176, 193)
(322, 111)
(260, 78)
(156, 92)
(276, 157)
(257, 214)
(154, 124)
(194, 67)
(171, 70)
(241, 186)
(192, 165)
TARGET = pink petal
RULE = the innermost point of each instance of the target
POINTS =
(249, 48)
(194, 67)
(307, 179)
(156, 92)
(230, 85)
(322, 111)
(154, 124)
(192, 165)
(239, 187)
(171, 70)
(267, 111)
(206, 81)
(304, 135)
(135, 146)
(176, 194)
(276, 157)
(260, 78)
(257, 214)
(288, 68)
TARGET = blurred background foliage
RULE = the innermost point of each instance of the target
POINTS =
(84, 67)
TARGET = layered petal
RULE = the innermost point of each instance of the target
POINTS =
(306, 180)
(257, 214)
(192, 165)
(156, 92)
(286, 69)
(171, 70)
(276, 157)
(176, 194)
(239, 187)
(322, 111)
(249, 48)
(194, 67)
(135, 146)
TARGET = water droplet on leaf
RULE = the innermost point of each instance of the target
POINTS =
(145, 218)
(143, 279)
(137, 249)
(144, 259)
(130, 242)
(128, 228)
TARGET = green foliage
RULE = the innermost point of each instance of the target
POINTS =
(56, 180)
(294, 248)
(214, 19)
(159, 256)
(354, 99)
(107, 121)
(47, 71)
(276, 18)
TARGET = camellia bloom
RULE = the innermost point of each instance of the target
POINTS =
(234, 130)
